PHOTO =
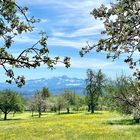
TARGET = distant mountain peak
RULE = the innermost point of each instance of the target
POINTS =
(55, 85)
(64, 76)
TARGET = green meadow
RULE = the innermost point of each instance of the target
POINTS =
(102, 125)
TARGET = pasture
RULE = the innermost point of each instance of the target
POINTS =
(102, 125)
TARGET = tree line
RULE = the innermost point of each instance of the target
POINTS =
(101, 93)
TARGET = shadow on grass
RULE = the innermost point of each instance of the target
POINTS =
(95, 113)
(123, 122)
(65, 113)
(16, 119)
(42, 114)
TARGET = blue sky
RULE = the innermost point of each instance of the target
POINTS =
(69, 26)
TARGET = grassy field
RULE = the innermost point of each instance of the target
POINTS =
(78, 126)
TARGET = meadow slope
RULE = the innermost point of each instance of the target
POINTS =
(77, 126)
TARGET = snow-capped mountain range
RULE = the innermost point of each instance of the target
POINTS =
(55, 84)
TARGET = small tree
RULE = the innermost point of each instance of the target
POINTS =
(40, 103)
(125, 97)
(45, 93)
(10, 101)
(51, 103)
(60, 103)
(69, 98)
(32, 106)
(94, 86)
(79, 102)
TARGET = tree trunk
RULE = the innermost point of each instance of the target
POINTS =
(137, 120)
(92, 109)
(39, 113)
(55, 109)
(14, 113)
(44, 110)
(5, 116)
(68, 110)
(32, 113)
(77, 109)
(59, 110)
(88, 108)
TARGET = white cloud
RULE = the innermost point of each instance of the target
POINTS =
(52, 41)
(76, 12)
(65, 3)
(83, 32)
(87, 31)
(87, 63)
(73, 84)
(92, 63)
(43, 20)
(58, 34)
(72, 20)
(25, 39)
(66, 43)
